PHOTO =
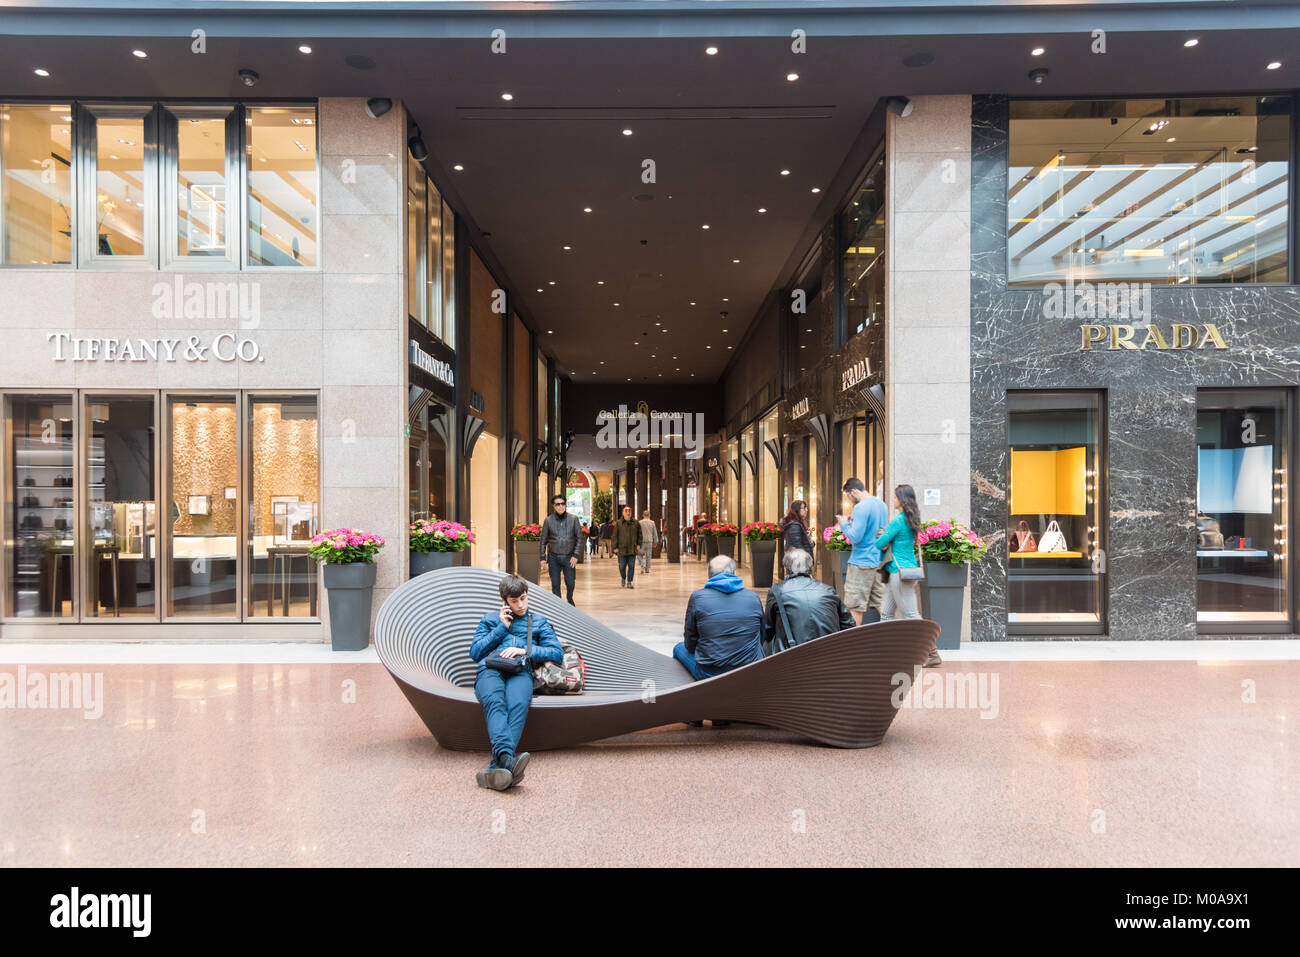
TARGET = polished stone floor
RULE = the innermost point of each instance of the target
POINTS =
(265, 762)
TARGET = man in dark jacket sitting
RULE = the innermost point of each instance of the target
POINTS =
(724, 624)
(812, 609)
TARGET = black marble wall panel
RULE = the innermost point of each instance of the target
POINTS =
(1150, 566)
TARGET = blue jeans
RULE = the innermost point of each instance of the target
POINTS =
(627, 568)
(557, 567)
(505, 706)
(646, 552)
(688, 662)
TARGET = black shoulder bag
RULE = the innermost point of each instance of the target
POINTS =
(512, 666)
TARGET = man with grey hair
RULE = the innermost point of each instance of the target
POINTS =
(800, 608)
(724, 624)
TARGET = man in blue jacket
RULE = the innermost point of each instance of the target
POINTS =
(506, 698)
(863, 589)
(724, 624)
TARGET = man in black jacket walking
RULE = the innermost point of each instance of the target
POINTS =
(627, 542)
(812, 609)
(561, 539)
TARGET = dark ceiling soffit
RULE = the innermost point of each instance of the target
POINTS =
(609, 114)
(632, 19)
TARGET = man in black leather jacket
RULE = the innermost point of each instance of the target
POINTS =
(813, 609)
(561, 535)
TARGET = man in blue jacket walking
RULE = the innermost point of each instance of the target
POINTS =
(506, 698)
(724, 624)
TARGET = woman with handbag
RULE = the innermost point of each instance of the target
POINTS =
(506, 646)
(904, 567)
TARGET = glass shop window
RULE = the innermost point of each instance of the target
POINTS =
(1056, 554)
(1242, 509)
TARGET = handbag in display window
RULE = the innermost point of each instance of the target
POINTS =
(1208, 533)
(1024, 538)
(1053, 539)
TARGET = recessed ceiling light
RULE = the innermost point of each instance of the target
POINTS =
(602, 361)
(539, 288)
(724, 330)
(728, 347)
(566, 247)
(1171, 139)
(816, 189)
(653, 356)
(705, 226)
(785, 172)
(40, 72)
(304, 49)
(1275, 65)
(725, 299)
(762, 209)
(550, 282)
(658, 323)
(735, 260)
(708, 347)
(692, 304)
(807, 330)
(549, 331)
(600, 282)
(711, 51)
(1191, 43)
(627, 132)
(139, 53)
(1037, 51)
(507, 96)
(792, 77)
(692, 375)
(458, 167)
(616, 304)
(629, 378)
(586, 209)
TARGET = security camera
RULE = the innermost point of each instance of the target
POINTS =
(1038, 76)
(249, 77)
(377, 106)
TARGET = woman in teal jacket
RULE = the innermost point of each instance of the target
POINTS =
(901, 534)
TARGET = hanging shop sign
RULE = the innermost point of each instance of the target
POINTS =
(223, 347)
(799, 409)
(442, 371)
(855, 374)
(1181, 336)
(476, 401)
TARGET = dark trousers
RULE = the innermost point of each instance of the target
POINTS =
(557, 566)
(626, 568)
(505, 706)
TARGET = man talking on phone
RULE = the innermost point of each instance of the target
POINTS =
(561, 539)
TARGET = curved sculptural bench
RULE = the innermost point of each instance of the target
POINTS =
(836, 689)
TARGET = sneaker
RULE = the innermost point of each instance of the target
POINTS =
(933, 661)
(494, 777)
(630, 585)
(516, 766)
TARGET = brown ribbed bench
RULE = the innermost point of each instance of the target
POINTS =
(836, 690)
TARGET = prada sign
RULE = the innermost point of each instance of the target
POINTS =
(855, 374)
(799, 409)
(1113, 337)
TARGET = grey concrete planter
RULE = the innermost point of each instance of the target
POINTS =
(528, 560)
(942, 597)
(840, 566)
(710, 546)
(422, 562)
(350, 589)
(726, 545)
(762, 555)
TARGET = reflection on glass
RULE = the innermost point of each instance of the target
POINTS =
(41, 568)
(863, 260)
(1149, 191)
(433, 260)
(768, 481)
(282, 183)
(1241, 506)
(730, 511)
(202, 482)
(448, 275)
(283, 439)
(811, 338)
(416, 237)
(1055, 558)
(120, 193)
(201, 196)
(36, 183)
(121, 506)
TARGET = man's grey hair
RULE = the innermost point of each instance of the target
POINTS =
(797, 562)
(721, 565)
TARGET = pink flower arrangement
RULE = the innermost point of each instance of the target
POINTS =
(439, 536)
(835, 540)
(761, 532)
(950, 541)
(345, 546)
(526, 533)
(718, 528)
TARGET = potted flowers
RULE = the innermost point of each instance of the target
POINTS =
(528, 550)
(836, 542)
(762, 538)
(719, 538)
(437, 544)
(948, 547)
(349, 558)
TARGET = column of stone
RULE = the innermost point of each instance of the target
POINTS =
(673, 510)
(631, 484)
(656, 490)
(642, 483)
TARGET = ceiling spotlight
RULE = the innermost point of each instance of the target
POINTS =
(1037, 51)
(416, 145)
(377, 106)
(792, 77)
(1191, 43)
(507, 96)
(816, 189)
(627, 132)
(735, 260)
(785, 172)
(1275, 65)
(566, 247)
(705, 226)
(586, 209)
(458, 168)
(41, 72)
(1038, 76)
(249, 77)
(899, 105)
(549, 331)
(139, 53)
(304, 49)
(711, 51)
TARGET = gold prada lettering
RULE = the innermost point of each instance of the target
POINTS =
(1153, 335)
(1091, 334)
(1121, 336)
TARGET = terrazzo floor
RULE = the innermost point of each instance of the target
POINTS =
(1133, 763)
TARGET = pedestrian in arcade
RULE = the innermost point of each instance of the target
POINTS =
(626, 544)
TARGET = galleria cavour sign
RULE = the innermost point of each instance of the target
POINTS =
(1181, 336)
(223, 347)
